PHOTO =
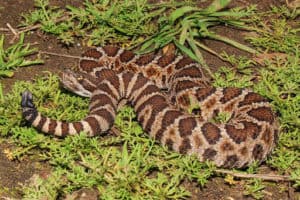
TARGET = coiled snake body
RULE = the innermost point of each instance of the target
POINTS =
(109, 74)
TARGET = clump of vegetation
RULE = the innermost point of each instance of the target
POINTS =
(15, 56)
(188, 25)
(98, 22)
(133, 23)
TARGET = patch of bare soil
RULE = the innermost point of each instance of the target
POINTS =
(12, 173)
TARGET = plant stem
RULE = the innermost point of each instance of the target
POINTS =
(232, 42)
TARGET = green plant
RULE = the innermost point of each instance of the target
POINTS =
(99, 22)
(275, 32)
(187, 25)
(254, 188)
(15, 56)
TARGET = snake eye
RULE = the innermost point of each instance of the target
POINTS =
(80, 78)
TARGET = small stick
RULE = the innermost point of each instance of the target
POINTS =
(30, 28)
(4, 29)
(12, 30)
(60, 55)
(260, 176)
(16, 33)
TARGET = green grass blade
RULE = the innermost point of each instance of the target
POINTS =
(186, 51)
(216, 5)
(232, 42)
(181, 12)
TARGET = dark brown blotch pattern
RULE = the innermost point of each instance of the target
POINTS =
(148, 90)
(130, 67)
(111, 51)
(102, 100)
(105, 114)
(87, 85)
(183, 100)
(230, 93)
(198, 141)
(94, 124)
(64, 129)
(185, 146)
(209, 154)
(239, 135)
(165, 60)
(104, 73)
(185, 84)
(107, 89)
(210, 103)
(41, 123)
(151, 71)
(211, 132)
(186, 126)
(114, 81)
(231, 161)
(127, 77)
(184, 62)
(140, 82)
(267, 136)
(262, 114)
(52, 126)
(92, 53)
(78, 126)
(204, 93)
(244, 151)
(227, 146)
(189, 72)
(158, 103)
(251, 98)
(168, 119)
(258, 152)
(88, 65)
(169, 144)
(126, 56)
(154, 113)
(145, 59)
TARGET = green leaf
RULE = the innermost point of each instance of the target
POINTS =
(217, 5)
(186, 50)
(6, 73)
(180, 12)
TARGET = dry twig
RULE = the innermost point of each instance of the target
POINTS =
(59, 54)
(17, 32)
(270, 177)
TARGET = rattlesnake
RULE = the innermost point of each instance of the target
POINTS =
(109, 74)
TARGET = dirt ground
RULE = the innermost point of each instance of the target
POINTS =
(14, 173)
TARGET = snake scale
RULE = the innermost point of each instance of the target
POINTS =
(109, 74)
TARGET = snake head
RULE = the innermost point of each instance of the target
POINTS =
(78, 82)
